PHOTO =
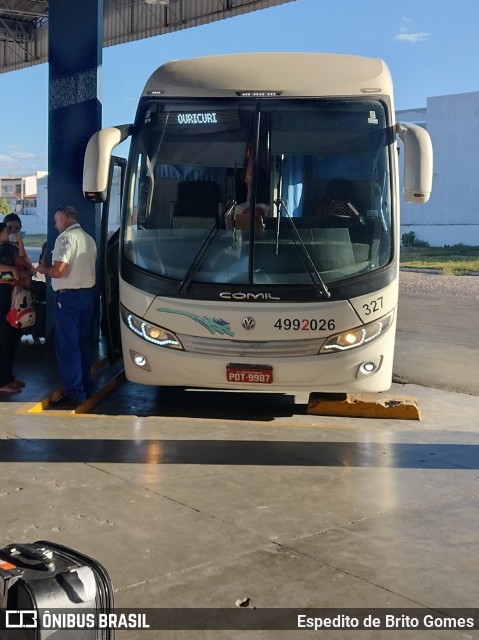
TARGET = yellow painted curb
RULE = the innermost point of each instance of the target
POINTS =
(86, 406)
(363, 405)
(43, 404)
(110, 386)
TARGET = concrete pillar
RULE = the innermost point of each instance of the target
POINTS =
(75, 57)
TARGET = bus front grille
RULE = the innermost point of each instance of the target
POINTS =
(243, 348)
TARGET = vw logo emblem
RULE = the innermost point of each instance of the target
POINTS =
(248, 323)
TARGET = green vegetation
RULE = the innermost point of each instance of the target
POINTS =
(4, 207)
(409, 240)
(35, 240)
(456, 260)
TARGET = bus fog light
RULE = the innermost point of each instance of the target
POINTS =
(140, 360)
(368, 368)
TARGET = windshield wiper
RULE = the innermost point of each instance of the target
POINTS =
(306, 259)
(188, 277)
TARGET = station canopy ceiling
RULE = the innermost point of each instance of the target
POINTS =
(24, 23)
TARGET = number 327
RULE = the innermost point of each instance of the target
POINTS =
(373, 306)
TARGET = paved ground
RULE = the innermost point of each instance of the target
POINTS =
(436, 342)
(293, 511)
(256, 500)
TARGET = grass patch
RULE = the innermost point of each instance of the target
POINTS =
(34, 240)
(455, 260)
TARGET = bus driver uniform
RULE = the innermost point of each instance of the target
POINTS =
(74, 309)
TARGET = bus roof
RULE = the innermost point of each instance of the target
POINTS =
(288, 74)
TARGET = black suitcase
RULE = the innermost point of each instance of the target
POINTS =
(45, 576)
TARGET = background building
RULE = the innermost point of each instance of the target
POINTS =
(27, 196)
(452, 214)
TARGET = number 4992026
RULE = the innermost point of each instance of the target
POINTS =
(305, 324)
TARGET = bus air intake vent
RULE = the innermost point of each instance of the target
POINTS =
(271, 348)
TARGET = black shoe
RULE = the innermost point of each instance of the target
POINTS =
(64, 403)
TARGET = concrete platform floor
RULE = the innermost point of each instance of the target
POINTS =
(204, 499)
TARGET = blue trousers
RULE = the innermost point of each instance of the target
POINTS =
(73, 320)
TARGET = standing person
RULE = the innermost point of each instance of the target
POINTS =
(9, 336)
(14, 228)
(73, 279)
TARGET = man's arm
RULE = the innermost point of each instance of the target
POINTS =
(56, 270)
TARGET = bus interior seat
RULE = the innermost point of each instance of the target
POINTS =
(193, 222)
(308, 222)
(330, 249)
(197, 205)
(339, 200)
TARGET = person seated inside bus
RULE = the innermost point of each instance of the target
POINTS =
(339, 201)
(239, 217)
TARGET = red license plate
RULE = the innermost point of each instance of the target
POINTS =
(249, 373)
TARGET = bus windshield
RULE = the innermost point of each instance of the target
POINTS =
(315, 172)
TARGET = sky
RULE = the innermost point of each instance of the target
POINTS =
(430, 46)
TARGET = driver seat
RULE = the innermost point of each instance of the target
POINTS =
(339, 201)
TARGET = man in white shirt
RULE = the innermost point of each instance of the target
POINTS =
(73, 279)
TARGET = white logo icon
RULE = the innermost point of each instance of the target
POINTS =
(21, 619)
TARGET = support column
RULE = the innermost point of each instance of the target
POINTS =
(75, 57)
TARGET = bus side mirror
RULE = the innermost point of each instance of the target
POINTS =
(417, 162)
(96, 166)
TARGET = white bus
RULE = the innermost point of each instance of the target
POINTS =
(303, 294)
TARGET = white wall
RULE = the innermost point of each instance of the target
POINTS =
(35, 220)
(452, 214)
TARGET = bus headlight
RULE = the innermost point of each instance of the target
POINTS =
(357, 337)
(150, 332)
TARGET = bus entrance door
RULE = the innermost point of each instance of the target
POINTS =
(109, 269)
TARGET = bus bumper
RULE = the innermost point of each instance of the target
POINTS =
(365, 369)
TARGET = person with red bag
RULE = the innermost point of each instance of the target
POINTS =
(10, 275)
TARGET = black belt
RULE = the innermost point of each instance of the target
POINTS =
(79, 289)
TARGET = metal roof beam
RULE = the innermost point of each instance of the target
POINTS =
(16, 29)
(123, 21)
